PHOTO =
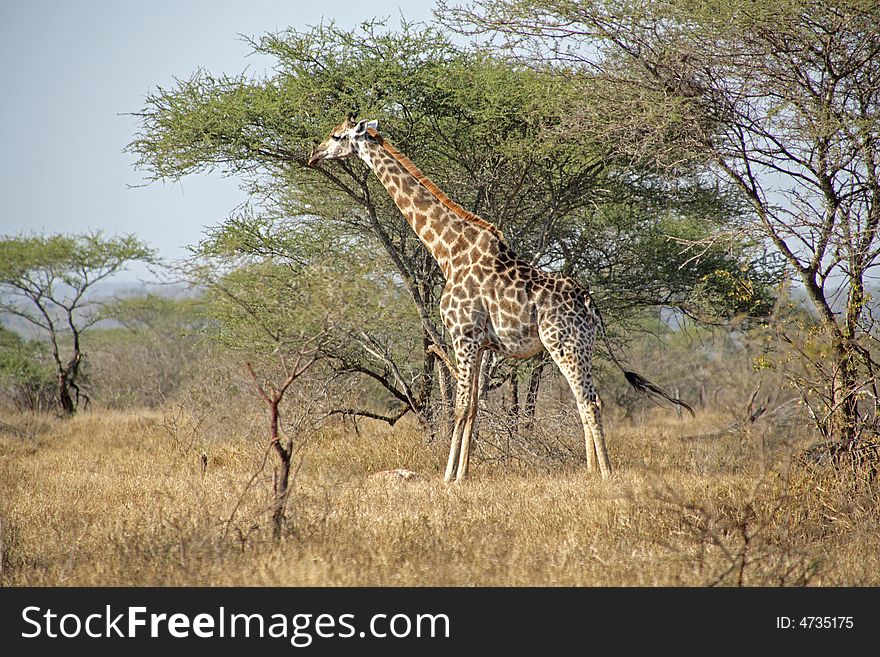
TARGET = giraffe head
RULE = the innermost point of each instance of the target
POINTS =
(342, 141)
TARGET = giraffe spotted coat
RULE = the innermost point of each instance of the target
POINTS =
(492, 300)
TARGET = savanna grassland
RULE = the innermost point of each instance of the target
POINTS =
(708, 175)
(127, 498)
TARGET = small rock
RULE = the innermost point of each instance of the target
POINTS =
(397, 473)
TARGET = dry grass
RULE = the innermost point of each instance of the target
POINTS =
(111, 499)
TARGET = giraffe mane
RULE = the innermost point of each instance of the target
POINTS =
(429, 184)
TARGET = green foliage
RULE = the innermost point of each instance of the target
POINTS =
(494, 135)
(26, 376)
(173, 316)
(47, 280)
(19, 358)
(326, 247)
(266, 308)
(75, 260)
(635, 255)
(475, 123)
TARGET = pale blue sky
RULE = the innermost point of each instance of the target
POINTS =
(72, 69)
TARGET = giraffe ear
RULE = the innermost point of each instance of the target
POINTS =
(361, 128)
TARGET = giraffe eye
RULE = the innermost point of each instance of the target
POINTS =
(336, 137)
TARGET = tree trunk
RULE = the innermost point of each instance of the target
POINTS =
(514, 408)
(531, 404)
(282, 469)
(306, 357)
(65, 399)
(68, 392)
(282, 487)
(485, 368)
(447, 400)
(426, 392)
(849, 421)
(843, 419)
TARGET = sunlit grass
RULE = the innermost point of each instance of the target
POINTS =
(113, 499)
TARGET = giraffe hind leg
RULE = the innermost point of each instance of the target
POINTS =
(589, 441)
(594, 424)
(574, 363)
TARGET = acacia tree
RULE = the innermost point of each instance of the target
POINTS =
(49, 281)
(250, 317)
(781, 99)
(486, 131)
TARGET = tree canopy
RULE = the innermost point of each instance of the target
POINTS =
(491, 133)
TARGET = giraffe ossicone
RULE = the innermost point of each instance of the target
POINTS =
(492, 300)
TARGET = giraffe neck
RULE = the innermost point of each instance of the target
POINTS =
(443, 226)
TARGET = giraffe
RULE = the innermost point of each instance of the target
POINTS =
(492, 300)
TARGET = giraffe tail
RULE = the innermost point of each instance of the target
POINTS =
(637, 381)
(651, 391)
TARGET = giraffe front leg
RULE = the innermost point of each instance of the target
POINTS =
(468, 369)
(470, 415)
(454, 446)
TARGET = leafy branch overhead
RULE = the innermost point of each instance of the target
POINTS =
(493, 135)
